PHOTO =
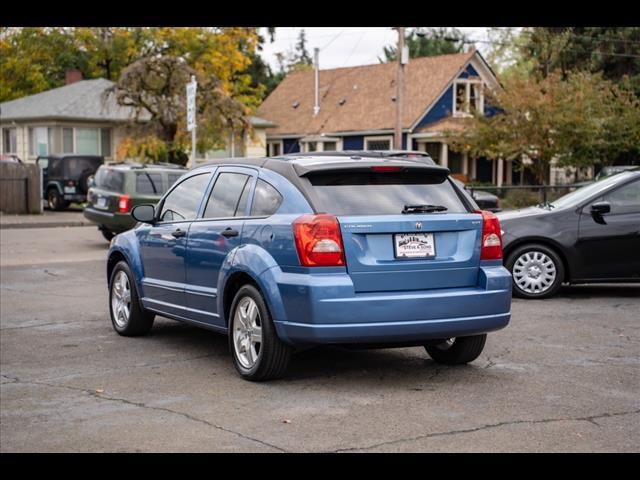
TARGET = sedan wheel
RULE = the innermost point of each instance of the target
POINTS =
(534, 272)
(537, 271)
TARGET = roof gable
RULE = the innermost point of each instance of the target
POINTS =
(81, 101)
(359, 98)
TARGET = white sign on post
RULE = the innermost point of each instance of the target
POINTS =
(191, 105)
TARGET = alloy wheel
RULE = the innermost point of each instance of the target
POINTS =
(121, 299)
(247, 332)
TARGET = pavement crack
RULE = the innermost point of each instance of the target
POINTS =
(101, 396)
(590, 419)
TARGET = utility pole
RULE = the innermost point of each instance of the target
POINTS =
(316, 68)
(191, 117)
(400, 53)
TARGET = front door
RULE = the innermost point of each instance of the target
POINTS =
(211, 239)
(609, 246)
(163, 246)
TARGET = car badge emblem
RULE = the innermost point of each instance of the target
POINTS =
(418, 225)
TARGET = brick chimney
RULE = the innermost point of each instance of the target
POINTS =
(72, 76)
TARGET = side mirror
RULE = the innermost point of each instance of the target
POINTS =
(598, 209)
(144, 213)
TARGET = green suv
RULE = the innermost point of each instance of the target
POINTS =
(117, 188)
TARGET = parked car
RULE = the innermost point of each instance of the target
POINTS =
(66, 178)
(309, 249)
(589, 235)
(10, 159)
(119, 187)
(605, 172)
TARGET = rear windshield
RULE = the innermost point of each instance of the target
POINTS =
(110, 179)
(383, 193)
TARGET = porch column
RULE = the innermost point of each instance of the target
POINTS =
(509, 179)
(474, 168)
(465, 163)
(500, 172)
(444, 154)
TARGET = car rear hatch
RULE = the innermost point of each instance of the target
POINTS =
(434, 244)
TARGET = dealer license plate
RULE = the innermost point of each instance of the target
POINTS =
(414, 245)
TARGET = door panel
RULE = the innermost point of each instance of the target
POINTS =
(611, 250)
(213, 237)
(163, 246)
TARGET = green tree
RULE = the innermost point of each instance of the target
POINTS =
(428, 43)
(576, 121)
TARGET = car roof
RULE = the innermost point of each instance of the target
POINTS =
(58, 156)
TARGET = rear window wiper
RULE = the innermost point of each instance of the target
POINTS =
(423, 209)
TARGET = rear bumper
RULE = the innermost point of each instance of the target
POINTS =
(115, 222)
(325, 309)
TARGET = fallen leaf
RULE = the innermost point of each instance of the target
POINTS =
(99, 390)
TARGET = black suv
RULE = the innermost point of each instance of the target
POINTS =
(66, 178)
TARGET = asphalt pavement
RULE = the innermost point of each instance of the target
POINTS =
(564, 376)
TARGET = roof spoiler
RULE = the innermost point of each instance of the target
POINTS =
(366, 165)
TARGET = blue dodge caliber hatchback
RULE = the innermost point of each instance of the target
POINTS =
(310, 249)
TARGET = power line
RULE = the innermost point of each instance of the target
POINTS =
(331, 41)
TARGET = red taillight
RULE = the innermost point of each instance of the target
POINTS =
(319, 241)
(491, 246)
(123, 204)
(385, 169)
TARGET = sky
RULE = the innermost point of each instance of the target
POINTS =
(346, 46)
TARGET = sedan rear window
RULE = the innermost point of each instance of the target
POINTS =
(383, 193)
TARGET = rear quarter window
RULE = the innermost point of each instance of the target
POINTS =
(266, 200)
(149, 183)
(383, 193)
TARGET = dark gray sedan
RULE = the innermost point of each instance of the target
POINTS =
(587, 236)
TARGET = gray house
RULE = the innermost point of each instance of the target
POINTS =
(74, 119)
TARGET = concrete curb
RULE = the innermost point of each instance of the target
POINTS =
(10, 226)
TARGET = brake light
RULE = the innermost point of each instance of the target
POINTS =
(491, 246)
(385, 169)
(123, 203)
(319, 241)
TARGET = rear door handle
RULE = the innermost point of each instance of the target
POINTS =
(178, 233)
(230, 232)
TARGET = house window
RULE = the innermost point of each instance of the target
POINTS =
(468, 98)
(40, 141)
(312, 146)
(273, 149)
(67, 140)
(87, 141)
(433, 149)
(330, 146)
(377, 143)
(105, 142)
(10, 140)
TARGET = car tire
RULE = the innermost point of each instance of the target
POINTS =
(127, 315)
(107, 234)
(257, 351)
(537, 271)
(55, 201)
(457, 351)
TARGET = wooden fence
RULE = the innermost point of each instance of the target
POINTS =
(20, 188)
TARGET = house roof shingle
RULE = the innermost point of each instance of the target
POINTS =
(359, 98)
(78, 101)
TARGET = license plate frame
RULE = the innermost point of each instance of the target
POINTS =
(101, 203)
(427, 239)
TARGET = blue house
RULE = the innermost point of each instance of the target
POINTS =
(357, 110)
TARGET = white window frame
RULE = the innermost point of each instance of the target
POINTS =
(320, 145)
(378, 138)
(99, 129)
(271, 143)
(479, 101)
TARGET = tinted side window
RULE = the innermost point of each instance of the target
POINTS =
(55, 168)
(625, 199)
(266, 200)
(183, 201)
(173, 178)
(149, 183)
(225, 196)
